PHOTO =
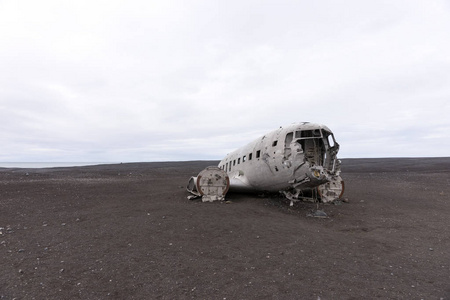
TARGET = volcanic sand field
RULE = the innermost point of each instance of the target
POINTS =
(127, 231)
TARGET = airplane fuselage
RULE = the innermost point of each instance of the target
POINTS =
(290, 160)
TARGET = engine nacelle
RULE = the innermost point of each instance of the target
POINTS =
(211, 184)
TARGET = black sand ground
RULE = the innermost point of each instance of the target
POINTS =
(128, 232)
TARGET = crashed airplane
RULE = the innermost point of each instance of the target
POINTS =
(299, 161)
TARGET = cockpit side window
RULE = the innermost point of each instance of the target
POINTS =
(330, 139)
(288, 139)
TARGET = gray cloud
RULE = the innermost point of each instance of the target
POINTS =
(170, 80)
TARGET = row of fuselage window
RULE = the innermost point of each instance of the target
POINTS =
(227, 167)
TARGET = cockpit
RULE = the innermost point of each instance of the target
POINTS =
(318, 145)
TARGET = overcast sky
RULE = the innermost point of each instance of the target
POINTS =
(124, 81)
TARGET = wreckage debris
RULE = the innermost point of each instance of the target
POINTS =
(297, 160)
(318, 214)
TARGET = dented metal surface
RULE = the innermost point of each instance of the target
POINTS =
(299, 161)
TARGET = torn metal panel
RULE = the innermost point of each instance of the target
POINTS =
(332, 190)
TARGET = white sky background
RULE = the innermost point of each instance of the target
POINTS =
(111, 81)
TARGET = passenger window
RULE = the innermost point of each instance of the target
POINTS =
(234, 162)
(243, 158)
(250, 156)
(258, 153)
(239, 160)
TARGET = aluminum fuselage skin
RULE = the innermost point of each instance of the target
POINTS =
(298, 157)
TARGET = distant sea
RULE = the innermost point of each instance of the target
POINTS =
(48, 164)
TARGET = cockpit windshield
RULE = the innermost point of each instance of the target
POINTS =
(308, 134)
